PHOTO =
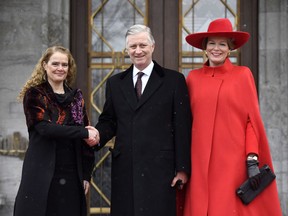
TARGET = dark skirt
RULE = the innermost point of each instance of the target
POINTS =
(66, 194)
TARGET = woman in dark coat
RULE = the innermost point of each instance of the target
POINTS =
(58, 162)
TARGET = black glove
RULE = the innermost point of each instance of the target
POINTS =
(253, 173)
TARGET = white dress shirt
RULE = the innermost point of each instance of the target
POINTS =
(147, 72)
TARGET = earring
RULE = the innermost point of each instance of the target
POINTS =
(44, 76)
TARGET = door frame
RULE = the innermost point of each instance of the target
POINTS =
(163, 21)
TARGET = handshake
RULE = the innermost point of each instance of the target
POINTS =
(94, 137)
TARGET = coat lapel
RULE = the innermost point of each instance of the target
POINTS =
(127, 87)
(153, 84)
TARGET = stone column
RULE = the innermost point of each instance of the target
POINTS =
(273, 71)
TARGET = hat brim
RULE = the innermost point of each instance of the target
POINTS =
(238, 38)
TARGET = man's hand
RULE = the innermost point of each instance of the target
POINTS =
(94, 137)
(86, 186)
(179, 180)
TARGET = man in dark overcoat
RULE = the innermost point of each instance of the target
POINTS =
(152, 144)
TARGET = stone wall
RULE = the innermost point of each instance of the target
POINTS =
(9, 182)
(273, 89)
(28, 27)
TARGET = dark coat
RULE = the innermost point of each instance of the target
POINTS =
(45, 132)
(152, 141)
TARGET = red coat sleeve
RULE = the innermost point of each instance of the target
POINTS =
(257, 131)
(251, 140)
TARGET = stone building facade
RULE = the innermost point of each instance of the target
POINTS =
(28, 27)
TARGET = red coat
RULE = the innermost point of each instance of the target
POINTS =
(223, 102)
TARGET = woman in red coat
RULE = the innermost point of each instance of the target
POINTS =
(229, 143)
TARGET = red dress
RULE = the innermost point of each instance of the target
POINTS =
(226, 126)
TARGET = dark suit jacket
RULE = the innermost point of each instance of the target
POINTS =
(152, 141)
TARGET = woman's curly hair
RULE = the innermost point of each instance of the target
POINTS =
(39, 75)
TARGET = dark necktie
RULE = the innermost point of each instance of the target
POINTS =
(138, 85)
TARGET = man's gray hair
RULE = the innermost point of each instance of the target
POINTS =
(135, 29)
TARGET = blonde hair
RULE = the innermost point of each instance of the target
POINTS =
(39, 75)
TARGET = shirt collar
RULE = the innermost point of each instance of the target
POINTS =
(147, 71)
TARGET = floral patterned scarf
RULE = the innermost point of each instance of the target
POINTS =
(42, 104)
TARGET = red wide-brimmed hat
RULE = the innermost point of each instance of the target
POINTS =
(220, 28)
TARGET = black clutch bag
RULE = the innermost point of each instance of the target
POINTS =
(247, 194)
